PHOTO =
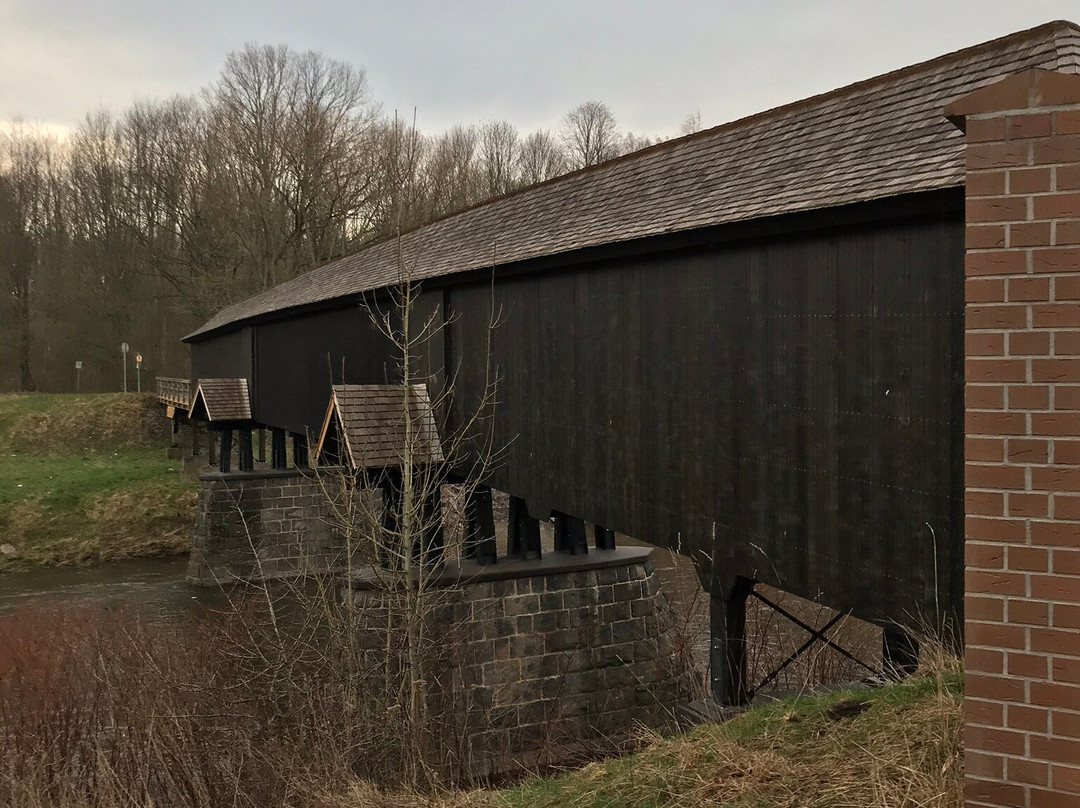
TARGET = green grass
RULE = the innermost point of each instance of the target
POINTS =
(847, 748)
(84, 478)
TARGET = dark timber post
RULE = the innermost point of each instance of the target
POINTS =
(727, 650)
(299, 451)
(278, 455)
(247, 459)
(605, 537)
(262, 445)
(570, 536)
(480, 527)
(194, 438)
(433, 540)
(899, 653)
(522, 532)
(225, 452)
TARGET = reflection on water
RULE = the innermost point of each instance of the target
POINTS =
(154, 586)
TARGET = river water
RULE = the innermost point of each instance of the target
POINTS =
(153, 586)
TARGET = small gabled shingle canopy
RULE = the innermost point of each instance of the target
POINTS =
(370, 420)
(879, 138)
(217, 400)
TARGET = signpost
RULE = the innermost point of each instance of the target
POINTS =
(78, 374)
(124, 351)
(138, 372)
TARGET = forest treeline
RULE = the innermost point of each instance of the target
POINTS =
(140, 224)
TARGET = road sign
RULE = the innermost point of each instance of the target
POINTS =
(78, 364)
(138, 360)
(124, 347)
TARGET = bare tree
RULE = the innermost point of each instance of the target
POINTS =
(590, 134)
(691, 123)
(498, 157)
(540, 158)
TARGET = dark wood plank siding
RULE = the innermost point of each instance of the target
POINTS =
(227, 356)
(797, 398)
(298, 359)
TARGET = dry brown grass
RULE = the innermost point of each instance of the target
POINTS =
(69, 424)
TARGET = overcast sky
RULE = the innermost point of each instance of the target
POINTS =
(527, 61)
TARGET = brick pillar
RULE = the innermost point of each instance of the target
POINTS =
(1022, 450)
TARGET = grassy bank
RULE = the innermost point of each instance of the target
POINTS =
(886, 748)
(85, 479)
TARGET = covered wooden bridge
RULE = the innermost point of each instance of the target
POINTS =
(746, 344)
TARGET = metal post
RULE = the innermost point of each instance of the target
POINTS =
(605, 537)
(124, 353)
(727, 649)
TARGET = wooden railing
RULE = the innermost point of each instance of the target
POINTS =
(175, 392)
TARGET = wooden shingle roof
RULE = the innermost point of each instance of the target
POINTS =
(878, 138)
(221, 400)
(372, 423)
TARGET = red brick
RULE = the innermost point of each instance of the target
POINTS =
(1026, 450)
(1031, 719)
(986, 343)
(988, 557)
(980, 764)
(1054, 370)
(1066, 397)
(1066, 615)
(1067, 343)
(1021, 126)
(981, 237)
(1001, 423)
(1050, 799)
(1058, 259)
(1029, 180)
(985, 660)
(1067, 562)
(1033, 772)
(985, 290)
(984, 609)
(1028, 612)
(984, 503)
(991, 183)
(1050, 206)
(1065, 725)
(1055, 315)
(994, 476)
(984, 449)
(1059, 750)
(1067, 232)
(1057, 479)
(1031, 666)
(996, 262)
(981, 130)
(1066, 452)
(1064, 669)
(1054, 149)
(998, 209)
(981, 156)
(984, 397)
(998, 582)
(1058, 588)
(1028, 343)
(1067, 122)
(1050, 694)
(1053, 423)
(1029, 288)
(990, 739)
(996, 317)
(1029, 397)
(1029, 234)
(984, 712)
(998, 688)
(1066, 778)
(1053, 641)
(1030, 559)
(1066, 507)
(989, 792)
(995, 635)
(978, 528)
(1055, 534)
(1068, 177)
(1031, 505)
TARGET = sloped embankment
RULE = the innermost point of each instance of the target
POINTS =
(85, 479)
